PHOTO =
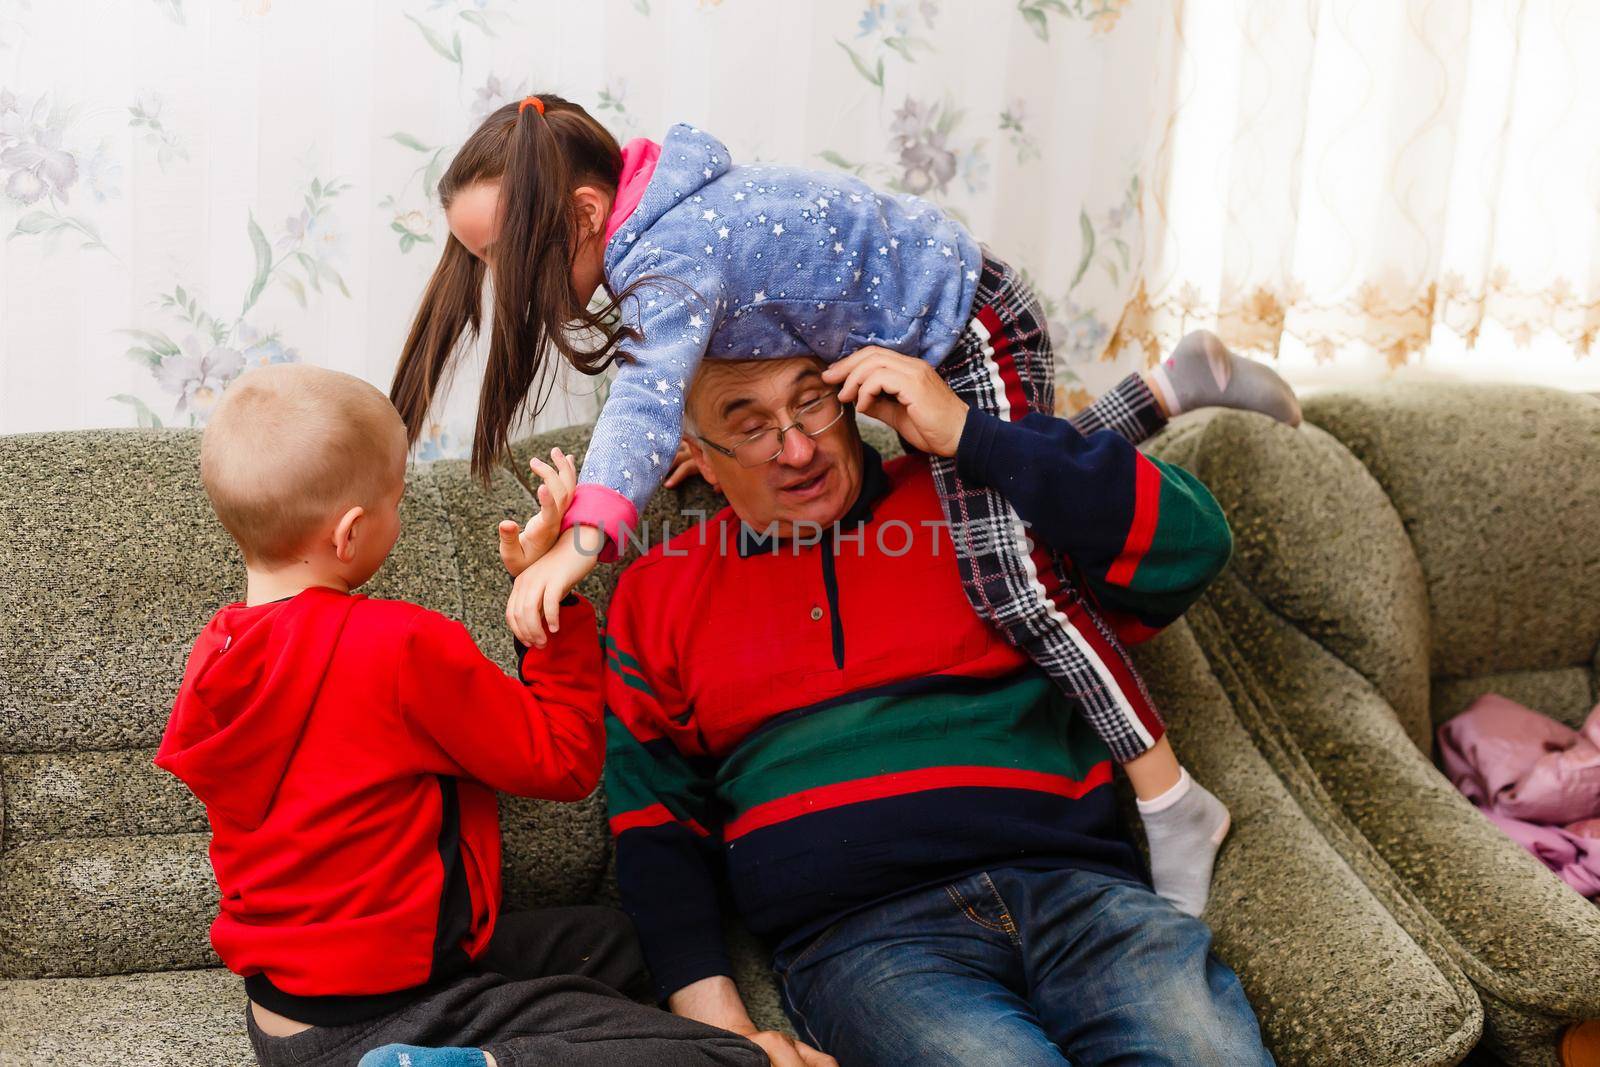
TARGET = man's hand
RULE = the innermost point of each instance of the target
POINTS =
(520, 549)
(536, 595)
(715, 1002)
(684, 466)
(905, 392)
(785, 1051)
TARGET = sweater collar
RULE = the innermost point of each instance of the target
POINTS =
(874, 484)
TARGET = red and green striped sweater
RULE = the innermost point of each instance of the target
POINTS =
(830, 724)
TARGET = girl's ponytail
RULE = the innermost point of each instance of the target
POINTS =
(452, 307)
(539, 155)
(532, 265)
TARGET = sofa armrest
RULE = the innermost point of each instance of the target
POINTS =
(1527, 942)
(1334, 978)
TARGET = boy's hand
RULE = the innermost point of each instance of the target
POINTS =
(520, 549)
(905, 392)
(536, 595)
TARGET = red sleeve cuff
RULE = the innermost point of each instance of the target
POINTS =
(605, 509)
(578, 632)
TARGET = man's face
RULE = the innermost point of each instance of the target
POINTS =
(813, 481)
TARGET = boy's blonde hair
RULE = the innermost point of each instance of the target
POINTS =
(289, 447)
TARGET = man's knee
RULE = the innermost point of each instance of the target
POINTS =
(1204, 1016)
(1204, 1030)
(1196, 1007)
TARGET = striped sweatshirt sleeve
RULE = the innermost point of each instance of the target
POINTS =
(659, 802)
(1146, 537)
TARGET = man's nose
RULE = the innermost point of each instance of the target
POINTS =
(797, 448)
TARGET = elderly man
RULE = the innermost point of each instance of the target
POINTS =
(802, 697)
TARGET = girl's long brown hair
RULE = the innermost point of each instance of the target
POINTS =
(539, 160)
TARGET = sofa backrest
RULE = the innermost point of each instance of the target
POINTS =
(110, 564)
(1498, 487)
(1317, 542)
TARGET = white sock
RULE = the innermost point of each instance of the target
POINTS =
(1185, 827)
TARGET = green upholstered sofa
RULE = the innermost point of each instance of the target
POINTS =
(110, 562)
(1409, 550)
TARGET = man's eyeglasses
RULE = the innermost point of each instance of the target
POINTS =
(813, 419)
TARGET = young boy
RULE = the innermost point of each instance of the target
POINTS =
(348, 750)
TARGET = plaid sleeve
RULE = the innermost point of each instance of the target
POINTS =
(659, 798)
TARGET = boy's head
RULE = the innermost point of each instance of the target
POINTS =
(306, 466)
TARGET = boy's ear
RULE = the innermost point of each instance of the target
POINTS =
(344, 534)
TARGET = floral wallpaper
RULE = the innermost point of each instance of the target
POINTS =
(188, 189)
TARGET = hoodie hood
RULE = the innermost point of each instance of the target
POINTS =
(687, 161)
(247, 694)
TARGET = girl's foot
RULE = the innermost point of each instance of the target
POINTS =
(1202, 372)
(417, 1056)
(1185, 827)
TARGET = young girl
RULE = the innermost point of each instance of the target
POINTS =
(701, 258)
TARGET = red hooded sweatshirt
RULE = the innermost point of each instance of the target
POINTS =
(347, 751)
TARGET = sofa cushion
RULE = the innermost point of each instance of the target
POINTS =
(55, 795)
(106, 905)
(189, 1018)
(1563, 693)
(1497, 486)
(110, 563)
(115, 561)
(173, 1019)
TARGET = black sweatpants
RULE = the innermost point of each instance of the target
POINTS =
(553, 988)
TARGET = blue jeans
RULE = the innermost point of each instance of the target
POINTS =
(1020, 967)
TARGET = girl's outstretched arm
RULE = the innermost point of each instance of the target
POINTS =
(637, 434)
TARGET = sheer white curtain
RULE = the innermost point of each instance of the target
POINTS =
(191, 187)
(1366, 188)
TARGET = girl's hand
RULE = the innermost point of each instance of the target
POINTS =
(684, 466)
(905, 392)
(536, 595)
(519, 550)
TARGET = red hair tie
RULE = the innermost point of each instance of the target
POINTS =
(533, 102)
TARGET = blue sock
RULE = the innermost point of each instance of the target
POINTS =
(417, 1056)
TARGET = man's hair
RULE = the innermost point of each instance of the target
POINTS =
(291, 446)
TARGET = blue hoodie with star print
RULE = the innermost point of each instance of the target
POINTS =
(757, 261)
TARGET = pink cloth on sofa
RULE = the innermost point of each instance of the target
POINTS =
(1535, 778)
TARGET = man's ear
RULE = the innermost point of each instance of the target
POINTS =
(702, 460)
(344, 534)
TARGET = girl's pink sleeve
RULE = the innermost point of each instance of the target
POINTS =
(608, 510)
